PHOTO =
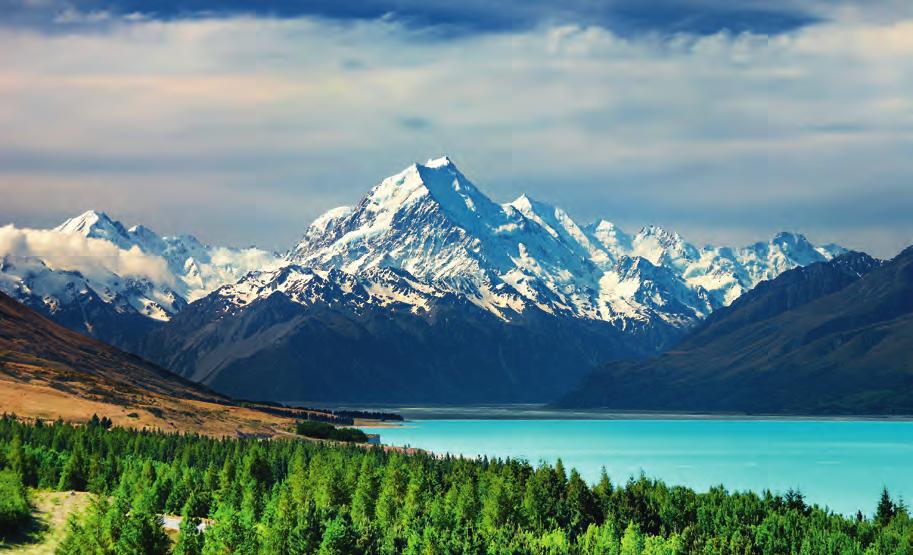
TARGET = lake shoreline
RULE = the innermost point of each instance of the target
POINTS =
(543, 412)
(841, 464)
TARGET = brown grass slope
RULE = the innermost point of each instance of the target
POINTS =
(849, 352)
(47, 371)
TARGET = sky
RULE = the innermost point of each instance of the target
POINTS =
(240, 121)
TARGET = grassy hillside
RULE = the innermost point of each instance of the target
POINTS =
(50, 372)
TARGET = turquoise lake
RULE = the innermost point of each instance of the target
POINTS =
(834, 463)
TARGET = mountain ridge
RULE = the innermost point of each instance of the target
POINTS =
(428, 290)
(93, 275)
(839, 345)
(530, 246)
(424, 250)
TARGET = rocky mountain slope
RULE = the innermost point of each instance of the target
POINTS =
(832, 338)
(428, 290)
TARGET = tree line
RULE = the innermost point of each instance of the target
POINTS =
(295, 496)
(322, 430)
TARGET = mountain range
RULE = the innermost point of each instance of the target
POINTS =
(830, 338)
(93, 275)
(426, 290)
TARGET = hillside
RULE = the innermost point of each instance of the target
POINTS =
(47, 371)
(829, 339)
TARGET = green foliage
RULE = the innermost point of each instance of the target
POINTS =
(142, 534)
(322, 430)
(886, 509)
(190, 540)
(14, 505)
(291, 497)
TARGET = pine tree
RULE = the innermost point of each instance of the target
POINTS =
(365, 495)
(632, 543)
(190, 540)
(604, 491)
(580, 505)
(598, 540)
(73, 476)
(886, 508)
(14, 506)
(15, 458)
(142, 535)
(338, 538)
(279, 520)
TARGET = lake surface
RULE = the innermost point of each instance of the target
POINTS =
(840, 464)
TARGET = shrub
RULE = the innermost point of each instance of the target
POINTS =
(14, 505)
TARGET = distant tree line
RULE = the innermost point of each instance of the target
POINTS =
(322, 430)
(342, 417)
(369, 415)
(294, 496)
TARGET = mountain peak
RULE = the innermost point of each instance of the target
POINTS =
(789, 237)
(438, 180)
(906, 253)
(441, 162)
(653, 230)
(611, 237)
(525, 204)
(95, 224)
(604, 225)
(142, 232)
(84, 221)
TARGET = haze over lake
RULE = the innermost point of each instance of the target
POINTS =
(838, 463)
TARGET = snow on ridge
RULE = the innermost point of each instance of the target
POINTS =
(433, 222)
(417, 236)
(438, 162)
(136, 268)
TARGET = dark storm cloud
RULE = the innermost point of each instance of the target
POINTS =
(441, 18)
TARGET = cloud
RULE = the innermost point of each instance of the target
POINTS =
(242, 129)
(438, 19)
(93, 258)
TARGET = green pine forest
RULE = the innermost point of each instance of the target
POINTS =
(297, 496)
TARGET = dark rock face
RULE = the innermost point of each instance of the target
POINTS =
(789, 290)
(832, 338)
(340, 349)
(115, 323)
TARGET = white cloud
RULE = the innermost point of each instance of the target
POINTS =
(94, 258)
(762, 130)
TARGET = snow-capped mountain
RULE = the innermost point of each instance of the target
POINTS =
(380, 335)
(424, 290)
(429, 291)
(432, 222)
(197, 268)
(94, 275)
